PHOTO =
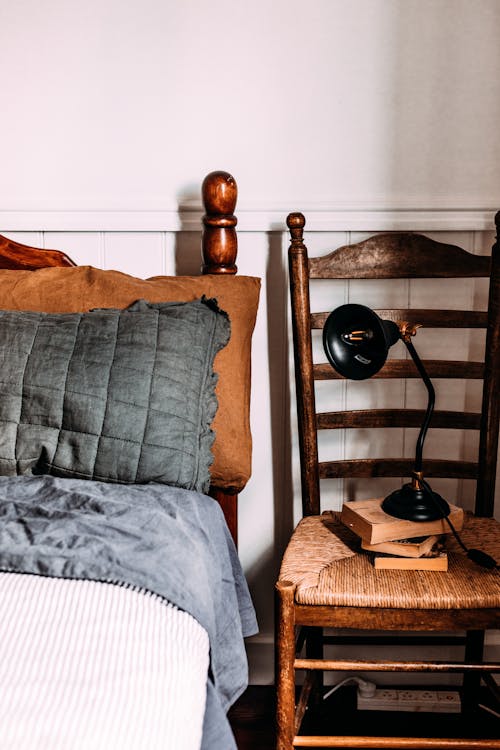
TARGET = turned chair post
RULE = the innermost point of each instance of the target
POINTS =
(285, 672)
(306, 408)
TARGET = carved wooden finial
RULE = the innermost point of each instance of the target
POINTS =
(219, 243)
(296, 223)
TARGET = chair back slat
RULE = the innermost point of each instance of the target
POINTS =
(426, 318)
(365, 468)
(363, 418)
(399, 255)
(403, 368)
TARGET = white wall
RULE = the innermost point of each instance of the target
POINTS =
(366, 114)
(113, 103)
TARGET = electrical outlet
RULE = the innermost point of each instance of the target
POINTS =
(449, 698)
(435, 701)
(386, 695)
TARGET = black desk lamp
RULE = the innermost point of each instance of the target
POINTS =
(356, 342)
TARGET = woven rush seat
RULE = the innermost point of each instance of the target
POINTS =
(327, 566)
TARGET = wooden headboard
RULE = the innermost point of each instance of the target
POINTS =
(219, 251)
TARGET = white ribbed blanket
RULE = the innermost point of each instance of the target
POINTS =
(94, 666)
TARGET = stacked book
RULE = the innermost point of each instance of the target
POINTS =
(397, 544)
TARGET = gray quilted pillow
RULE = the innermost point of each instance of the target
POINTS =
(112, 395)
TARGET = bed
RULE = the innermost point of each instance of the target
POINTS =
(124, 441)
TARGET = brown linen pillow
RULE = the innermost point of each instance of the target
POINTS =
(84, 288)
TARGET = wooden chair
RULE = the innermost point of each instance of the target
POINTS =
(316, 589)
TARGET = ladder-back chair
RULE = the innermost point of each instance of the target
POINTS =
(326, 581)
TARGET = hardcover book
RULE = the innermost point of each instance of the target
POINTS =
(416, 547)
(439, 561)
(367, 519)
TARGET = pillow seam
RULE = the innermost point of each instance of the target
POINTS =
(64, 392)
(98, 442)
(28, 354)
(148, 413)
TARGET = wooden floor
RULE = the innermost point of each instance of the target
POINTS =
(252, 719)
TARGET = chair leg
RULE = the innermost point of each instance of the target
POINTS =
(474, 647)
(285, 672)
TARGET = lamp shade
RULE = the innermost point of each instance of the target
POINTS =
(356, 341)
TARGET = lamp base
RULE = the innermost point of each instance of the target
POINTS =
(415, 504)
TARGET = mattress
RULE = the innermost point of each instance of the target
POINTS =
(85, 664)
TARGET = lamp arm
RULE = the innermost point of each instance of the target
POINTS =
(430, 403)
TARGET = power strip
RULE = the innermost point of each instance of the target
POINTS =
(434, 701)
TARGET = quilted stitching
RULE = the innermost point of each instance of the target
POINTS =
(115, 395)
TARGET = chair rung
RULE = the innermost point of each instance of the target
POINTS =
(351, 665)
(399, 743)
(400, 640)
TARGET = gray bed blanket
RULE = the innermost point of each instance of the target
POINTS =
(170, 541)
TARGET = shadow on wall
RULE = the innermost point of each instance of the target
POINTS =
(264, 572)
(187, 250)
(279, 380)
